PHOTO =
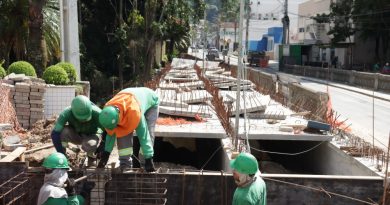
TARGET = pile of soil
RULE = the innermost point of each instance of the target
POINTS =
(39, 135)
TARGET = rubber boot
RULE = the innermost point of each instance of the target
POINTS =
(149, 165)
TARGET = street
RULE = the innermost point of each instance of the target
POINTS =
(358, 109)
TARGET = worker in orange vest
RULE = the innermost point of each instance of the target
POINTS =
(131, 109)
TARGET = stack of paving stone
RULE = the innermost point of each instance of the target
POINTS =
(27, 96)
(22, 103)
(37, 102)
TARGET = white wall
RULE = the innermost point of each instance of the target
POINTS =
(57, 98)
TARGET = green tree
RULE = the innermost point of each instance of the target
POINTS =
(372, 21)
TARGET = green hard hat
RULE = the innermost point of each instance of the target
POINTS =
(109, 117)
(82, 108)
(245, 163)
(56, 160)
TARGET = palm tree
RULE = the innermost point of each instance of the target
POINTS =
(13, 29)
(36, 43)
(29, 29)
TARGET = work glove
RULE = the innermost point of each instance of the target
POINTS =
(86, 190)
(149, 166)
(103, 159)
(70, 187)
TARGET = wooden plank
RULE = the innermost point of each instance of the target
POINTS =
(38, 148)
(18, 152)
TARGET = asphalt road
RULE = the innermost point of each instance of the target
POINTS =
(362, 112)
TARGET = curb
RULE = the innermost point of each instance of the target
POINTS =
(352, 90)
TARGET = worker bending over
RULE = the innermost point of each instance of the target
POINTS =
(131, 109)
(251, 189)
(78, 124)
(57, 189)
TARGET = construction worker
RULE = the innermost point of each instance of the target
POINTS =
(57, 188)
(251, 187)
(78, 124)
(131, 109)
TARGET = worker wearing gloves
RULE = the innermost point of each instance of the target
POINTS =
(251, 189)
(57, 189)
(131, 109)
(78, 124)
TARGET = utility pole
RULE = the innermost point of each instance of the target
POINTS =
(239, 70)
(204, 37)
(247, 11)
(286, 24)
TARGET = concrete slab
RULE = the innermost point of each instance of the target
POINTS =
(195, 96)
(259, 129)
(211, 129)
(170, 85)
(173, 103)
(192, 111)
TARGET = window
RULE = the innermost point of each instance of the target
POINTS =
(301, 30)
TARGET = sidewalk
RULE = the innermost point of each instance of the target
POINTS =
(274, 65)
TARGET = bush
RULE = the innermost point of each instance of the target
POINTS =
(2, 72)
(70, 70)
(55, 75)
(22, 67)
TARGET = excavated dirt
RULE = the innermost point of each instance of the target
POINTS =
(39, 136)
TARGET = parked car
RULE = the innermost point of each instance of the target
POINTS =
(214, 52)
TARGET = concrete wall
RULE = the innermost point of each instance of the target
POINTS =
(330, 160)
(218, 188)
(179, 187)
(374, 81)
(302, 98)
(297, 96)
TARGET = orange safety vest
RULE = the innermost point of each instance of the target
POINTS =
(129, 114)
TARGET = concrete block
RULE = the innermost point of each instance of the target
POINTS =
(36, 106)
(36, 93)
(38, 86)
(25, 117)
(25, 94)
(22, 85)
(36, 97)
(22, 90)
(34, 90)
(18, 97)
(36, 109)
(22, 106)
(23, 110)
(18, 94)
(38, 102)
(23, 113)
